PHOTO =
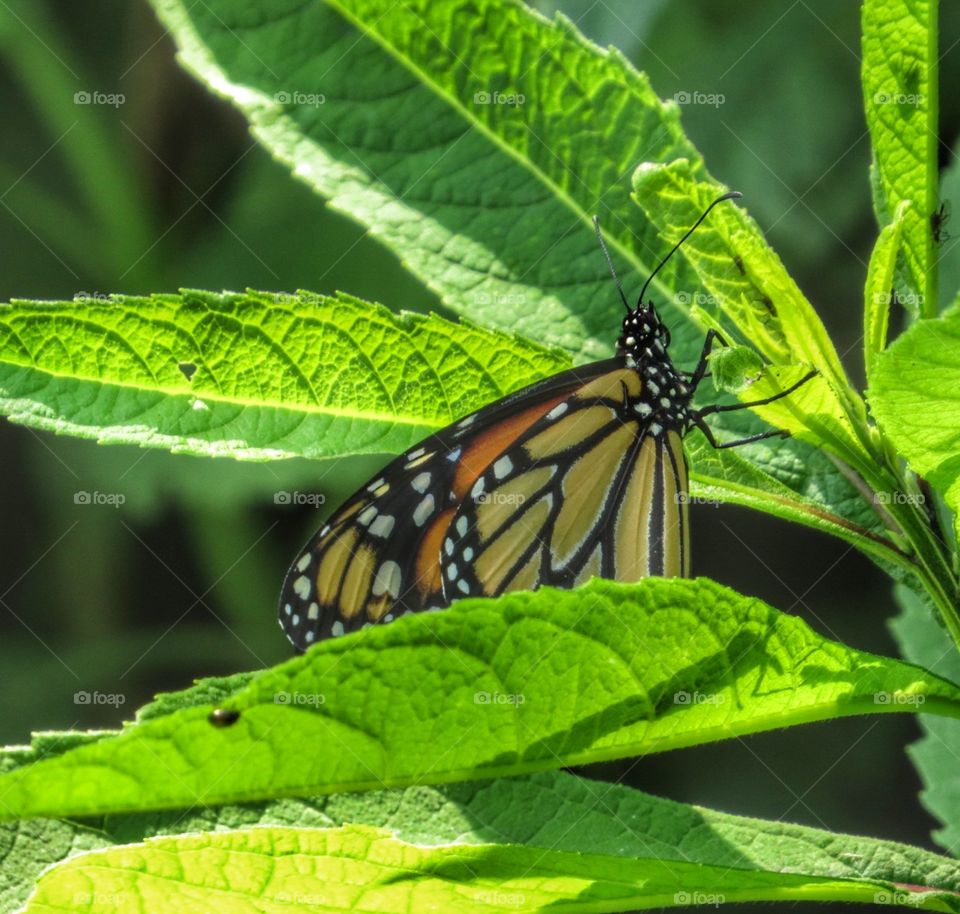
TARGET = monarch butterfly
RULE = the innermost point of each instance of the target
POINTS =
(582, 474)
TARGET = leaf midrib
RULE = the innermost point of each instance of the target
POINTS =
(246, 402)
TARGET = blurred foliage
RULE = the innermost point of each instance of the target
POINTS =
(167, 190)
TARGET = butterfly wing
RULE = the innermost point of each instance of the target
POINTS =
(592, 488)
(379, 555)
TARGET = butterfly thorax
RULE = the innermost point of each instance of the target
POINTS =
(664, 401)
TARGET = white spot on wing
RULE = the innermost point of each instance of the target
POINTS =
(558, 411)
(463, 586)
(367, 515)
(336, 629)
(388, 580)
(376, 484)
(421, 482)
(452, 571)
(502, 467)
(468, 553)
(301, 587)
(462, 525)
(382, 525)
(304, 562)
(313, 613)
(423, 511)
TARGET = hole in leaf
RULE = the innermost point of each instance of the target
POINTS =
(188, 369)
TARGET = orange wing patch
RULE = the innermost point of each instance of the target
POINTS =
(428, 557)
(489, 445)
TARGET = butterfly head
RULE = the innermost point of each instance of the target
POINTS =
(643, 335)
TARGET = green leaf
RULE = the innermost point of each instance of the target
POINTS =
(899, 73)
(735, 368)
(923, 640)
(879, 292)
(420, 96)
(552, 810)
(356, 867)
(913, 395)
(252, 375)
(473, 692)
(818, 496)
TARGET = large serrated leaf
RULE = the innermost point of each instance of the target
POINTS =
(553, 810)
(252, 375)
(494, 688)
(270, 869)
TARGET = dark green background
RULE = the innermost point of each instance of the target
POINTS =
(168, 190)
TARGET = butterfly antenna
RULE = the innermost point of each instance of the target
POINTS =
(732, 195)
(613, 272)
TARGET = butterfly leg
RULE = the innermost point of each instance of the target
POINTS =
(760, 436)
(700, 372)
(707, 410)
